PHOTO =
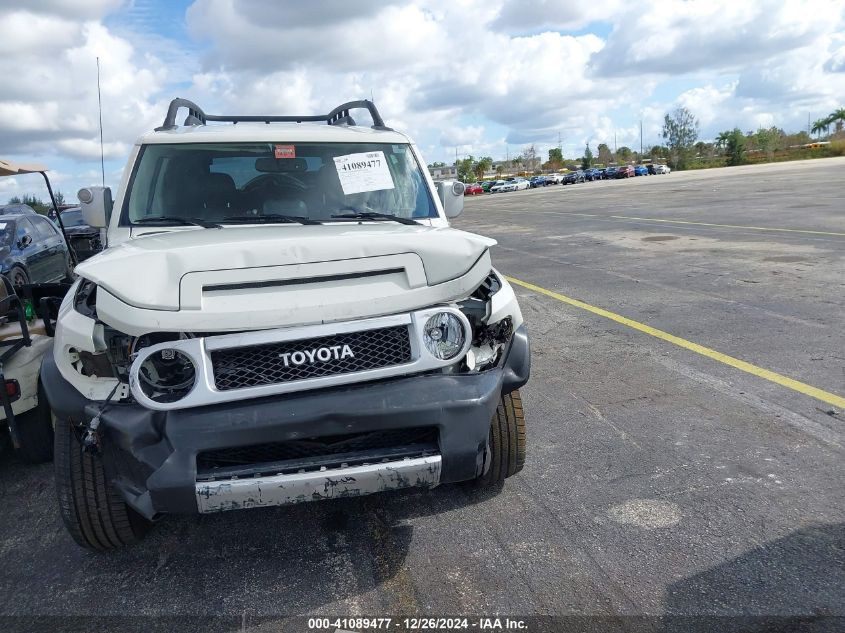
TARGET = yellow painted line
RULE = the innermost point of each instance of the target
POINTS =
(727, 226)
(754, 370)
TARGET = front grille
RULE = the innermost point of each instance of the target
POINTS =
(255, 365)
(315, 452)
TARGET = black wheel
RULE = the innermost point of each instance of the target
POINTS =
(18, 276)
(506, 456)
(92, 511)
(35, 432)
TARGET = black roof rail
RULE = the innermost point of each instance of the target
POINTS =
(339, 116)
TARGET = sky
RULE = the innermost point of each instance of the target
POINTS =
(486, 78)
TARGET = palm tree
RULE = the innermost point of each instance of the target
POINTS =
(482, 166)
(818, 126)
(722, 139)
(838, 117)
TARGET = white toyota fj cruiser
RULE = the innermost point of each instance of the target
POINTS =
(282, 314)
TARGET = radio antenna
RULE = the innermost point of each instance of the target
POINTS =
(100, 105)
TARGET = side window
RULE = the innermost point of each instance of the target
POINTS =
(23, 228)
(43, 228)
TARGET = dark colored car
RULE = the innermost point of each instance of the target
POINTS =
(573, 177)
(485, 186)
(610, 173)
(32, 250)
(85, 240)
(17, 209)
(472, 189)
(592, 174)
(626, 171)
(538, 181)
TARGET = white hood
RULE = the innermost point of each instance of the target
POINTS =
(277, 275)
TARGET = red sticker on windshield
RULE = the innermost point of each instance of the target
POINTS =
(285, 151)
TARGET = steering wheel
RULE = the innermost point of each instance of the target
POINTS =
(266, 181)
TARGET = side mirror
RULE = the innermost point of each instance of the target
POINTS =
(451, 194)
(25, 241)
(96, 206)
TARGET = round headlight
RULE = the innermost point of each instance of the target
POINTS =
(167, 375)
(444, 335)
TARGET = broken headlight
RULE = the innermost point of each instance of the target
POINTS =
(488, 339)
(122, 350)
(167, 375)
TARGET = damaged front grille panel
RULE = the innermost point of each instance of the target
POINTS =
(315, 453)
(275, 363)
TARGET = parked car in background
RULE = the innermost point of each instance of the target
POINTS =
(84, 240)
(471, 189)
(538, 181)
(485, 186)
(641, 170)
(32, 250)
(497, 186)
(610, 173)
(626, 171)
(651, 169)
(554, 179)
(662, 169)
(573, 177)
(17, 209)
(592, 174)
(514, 184)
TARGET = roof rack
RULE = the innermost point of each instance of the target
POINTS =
(338, 116)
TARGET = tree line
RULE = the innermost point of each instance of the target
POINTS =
(37, 203)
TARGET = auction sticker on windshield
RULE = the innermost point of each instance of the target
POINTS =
(362, 172)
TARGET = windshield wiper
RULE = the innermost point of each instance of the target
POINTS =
(366, 215)
(172, 219)
(270, 218)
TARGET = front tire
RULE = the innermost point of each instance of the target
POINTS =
(35, 432)
(92, 511)
(506, 454)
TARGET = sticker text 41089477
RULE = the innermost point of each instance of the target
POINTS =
(361, 164)
(365, 171)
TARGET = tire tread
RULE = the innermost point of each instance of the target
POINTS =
(507, 441)
(92, 511)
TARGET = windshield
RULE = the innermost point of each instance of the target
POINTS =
(234, 181)
(7, 232)
(72, 217)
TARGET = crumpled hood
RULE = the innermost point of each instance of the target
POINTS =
(147, 271)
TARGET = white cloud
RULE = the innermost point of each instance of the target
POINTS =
(679, 37)
(462, 135)
(54, 103)
(520, 16)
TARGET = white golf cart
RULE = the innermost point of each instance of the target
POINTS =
(27, 317)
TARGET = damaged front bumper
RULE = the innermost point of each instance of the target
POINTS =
(155, 459)
(334, 483)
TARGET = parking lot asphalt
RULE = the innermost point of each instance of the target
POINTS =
(658, 481)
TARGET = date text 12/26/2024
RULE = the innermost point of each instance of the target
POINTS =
(354, 624)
